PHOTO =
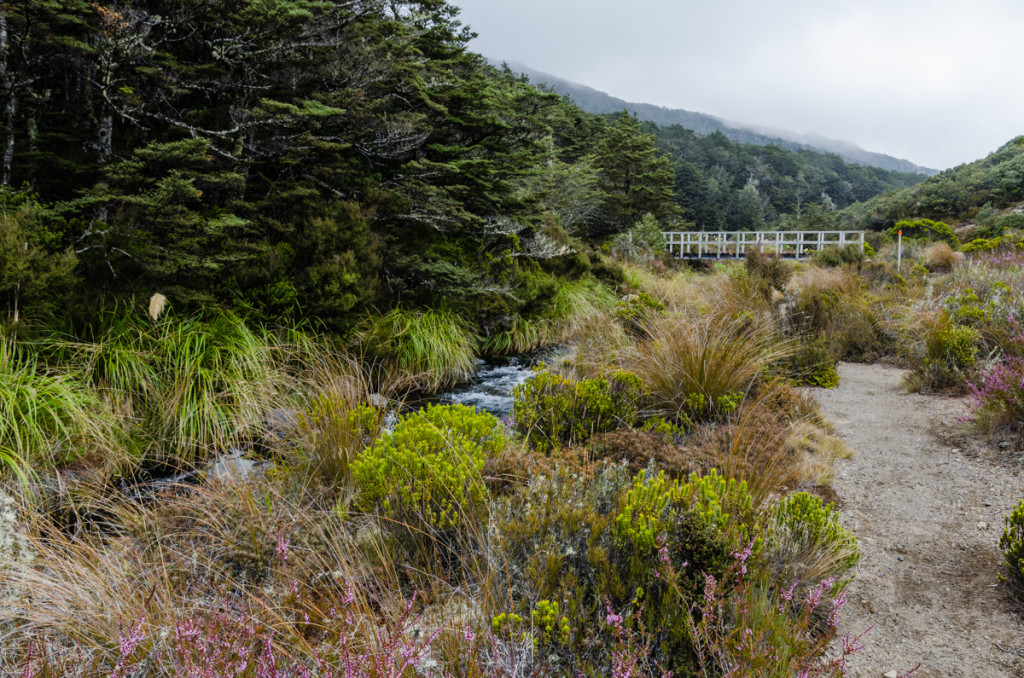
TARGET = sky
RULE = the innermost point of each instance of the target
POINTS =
(937, 82)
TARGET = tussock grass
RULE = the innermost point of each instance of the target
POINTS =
(434, 348)
(940, 257)
(710, 357)
(576, 305)
(47, 418)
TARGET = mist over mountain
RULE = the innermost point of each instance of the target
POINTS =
(595, 101)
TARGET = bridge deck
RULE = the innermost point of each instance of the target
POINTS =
(734, 244)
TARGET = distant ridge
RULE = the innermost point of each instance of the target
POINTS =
(595, 101)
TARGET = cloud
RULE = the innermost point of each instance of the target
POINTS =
(930, 81)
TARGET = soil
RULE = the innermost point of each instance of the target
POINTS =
(927, 500)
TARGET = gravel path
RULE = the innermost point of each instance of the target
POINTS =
(927, 503)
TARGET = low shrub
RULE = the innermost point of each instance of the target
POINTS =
(552, 410)
(834, 255)
(653, 447)
(807, 541)
(948, 355)
(634, 310)
(998, 397)
(1012, 544)
(427, 470)
(812, 364)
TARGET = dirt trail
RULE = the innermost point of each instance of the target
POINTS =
(927, 504)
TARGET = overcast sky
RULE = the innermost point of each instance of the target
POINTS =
(938, 82)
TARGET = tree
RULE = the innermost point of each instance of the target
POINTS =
(635, 180)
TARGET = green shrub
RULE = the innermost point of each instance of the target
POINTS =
(1012, 544)
(635, 309)
(553, 410)
(924, 229)
(644, 513)
(949, 355)
(812, 364)
(549, 627)
(813, 528)
(834, 255)
(1009, 222)
(428, 468)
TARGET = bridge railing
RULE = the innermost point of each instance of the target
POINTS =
(734, 244)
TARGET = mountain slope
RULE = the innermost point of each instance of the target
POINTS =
(595, 101)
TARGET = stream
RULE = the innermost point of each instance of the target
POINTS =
(490, 389)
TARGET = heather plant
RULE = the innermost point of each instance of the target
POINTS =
(552, 410)
(997, 397)
(425, 474)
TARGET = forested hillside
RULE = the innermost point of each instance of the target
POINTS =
(971, 191)
(724, 185)
(301, 159)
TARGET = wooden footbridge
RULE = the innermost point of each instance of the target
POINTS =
(734, 244)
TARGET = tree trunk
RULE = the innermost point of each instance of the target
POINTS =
(7, 87)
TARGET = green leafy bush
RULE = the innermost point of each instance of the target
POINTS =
(834, 255)
(635, 309)
(813, 527)
(812, 363)
(552, 410)
(925, 229)
(950, 353)
(644, 513)
(1012, 544)
(428, 468)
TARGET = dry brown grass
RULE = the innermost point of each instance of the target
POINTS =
(940, 257)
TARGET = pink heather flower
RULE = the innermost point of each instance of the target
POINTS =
(814, 597)
(612, 619)
(709, 588)
(469, 636)
(283, 543)
(837, 604)
(742, 556)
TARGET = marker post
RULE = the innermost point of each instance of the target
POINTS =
(899, 252)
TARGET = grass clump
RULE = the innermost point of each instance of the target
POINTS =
(434, 347)
(47, 418)
(940, 257)
(700, 369)
(807, 540)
